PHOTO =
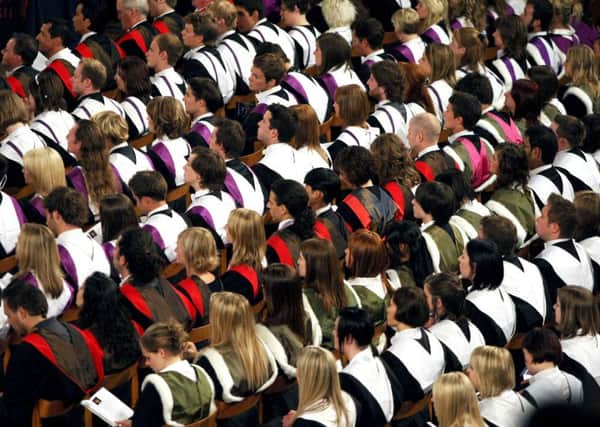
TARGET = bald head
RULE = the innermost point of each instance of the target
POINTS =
(423, 131)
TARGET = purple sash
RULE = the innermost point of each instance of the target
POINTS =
(155, 235)
(431, 34)
(202, 130)
(204, 213)
(293, 83)
(233, 190)
(68, 266)
(260, 109)
(78, 181)
(541, 47)
(109, 250)
(406, 52)
(38, 203)
(18, 211)
(330, 83)
(509, 66)
(165, 155)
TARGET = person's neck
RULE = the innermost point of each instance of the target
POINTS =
(534, 164)
(164, 9)
(351, 350)
(270, 142)
(427, 218)
(563, 145)
(317, 205)
(205, 276)
(485, 106)
(457, 129)
(367, 50)
(153, 205)
(542, 366)
(162, 67)
(407, 37)
(64, 227)
(170, 360)
(298, 20)
(402, 327)
(197, 186)
(87, 92)
(51, 52)
(367, 184)
(10, 129)
(199, 112)
(32, 322)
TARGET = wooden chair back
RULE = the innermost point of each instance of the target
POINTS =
(112, 93)
(200, 334)
(252, 159)
(240, 99)
(70, 315)
(325, 128)
(222, 261)
(210, 421)
(409, 409)
(48, 409)
(260, 310)
(390, 37)
(516, 343)
(181, 192)
(8, 264)
(172, 270)
(490, 53)
(22, 192)
(230, 410)
(143, 141)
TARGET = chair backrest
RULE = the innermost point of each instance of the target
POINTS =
(172, 270)
(112, 93)
(259, 309)
(142, 141)
(210, 421)
(390, 37)
(240, 99)
(222, 261)
(70, 314)
(7, 264)
(230, 410)
(200, 334)
(48, 409)
(180, 192)
(252, 159)
(325, 128)
(516, 343)
(409, 409)
(22, 192)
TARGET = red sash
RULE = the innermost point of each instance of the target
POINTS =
(84, 50)
(249, 274)
(191, 289)
(397, 195)
(281, 249)
(16, 86)
(359, 210)
(425, 170)
(321, 231)
(161, 27)
(41, 345)
(63, 73)
(136, 37)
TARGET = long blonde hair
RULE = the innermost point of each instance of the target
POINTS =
(37, 252)
(245, 227)
(495, 370)
(318, 383)
(584, 68)
(438, 11)
(45, 168)
(455, 401)
(233, 326)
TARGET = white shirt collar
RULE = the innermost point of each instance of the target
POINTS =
(553, 242)
(285, 223)
(457, 135)
(538, 34)
(426, 225)
(261, 96)
(86, 36)
(372, 55)
(61, 54)
(158, 209)
(182, 367)
(429, 149)
(199, 193)
(11, 72)
(539, 169)
(323, 209)
(164, 14)
(225, 34)
(200, 117)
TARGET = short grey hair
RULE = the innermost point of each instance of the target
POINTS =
(140, 5)
(429, 125)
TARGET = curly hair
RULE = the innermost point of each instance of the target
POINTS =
(392, 161)
(473, 10)
(512, 166)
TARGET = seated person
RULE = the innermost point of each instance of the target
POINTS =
(548, 384)
(11, 213)
(366, 205)
(365, 377)
(80, 256)
(88, 80)
(149, 190)
(176, 391)
(434, 205)
(522, 279)
(416, 357)
(323, 186)
(54, 360)
(148, 298)
(202, 100)
(211, 206)
(227, 140)
(163, 53)
(101, 315)
(168, 120)
(488, 305)
(137, 30)
(133, 81)
(406, 26)
(367, 38)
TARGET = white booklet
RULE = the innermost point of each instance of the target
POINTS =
(108, 407)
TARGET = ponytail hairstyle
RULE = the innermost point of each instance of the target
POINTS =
(293, 196)
(169, 336)
(448, 288)
(408, 233)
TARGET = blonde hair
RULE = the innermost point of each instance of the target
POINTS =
(45, 168)
(168, 116)
(13, 110)
(406, 21)
(198, 249)
(225, 10)
(438, 11)
(468, 38)
(563, 9)
(584, 68)
(233, 327)
(455, 401)
(37, 252)
(247, 234)
(318, 383)
(170, 336)
(338, 13)
(443, 63)
(112, 126)
(494, 368)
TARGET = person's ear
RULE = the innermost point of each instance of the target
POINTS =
(536, 153)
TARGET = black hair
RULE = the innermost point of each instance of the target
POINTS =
(148, 183)
(231, 136)
(116, 214)
(543, 138)
(102, 312)
(251, 6)
(19, 294)
(547, 82)
(357, 323)
(371, 30)
(144, 261)
(60, 28)
(3, 167)
(268, 47)
(543, 11)
(461, 187)
(487, 262)
(356, 163)
(324, 180)
(411, 304)
(25, 46)
(466, 106)
(284, 120)
(206, 89)
(477, 85)
(513, 167)
(97, 12)
(409, 233)
(448, 288)
(543, 345)
(293, 196)
(591, 142)
(436, 199)
(302, 5)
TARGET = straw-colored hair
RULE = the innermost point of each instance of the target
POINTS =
(112, 126)
(584, 68)
(198, 249)
(170, 336)
(45, 168)
(37, 252)
(12, 110)
(233, 329)
(495, 369)
(468, 38)
(225, 10)
(245, 227)
(318, 383)
(438, 11)
(443, 63)
(406, 21)
(169, 117)
(455, 401)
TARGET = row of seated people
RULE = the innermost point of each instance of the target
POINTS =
(244, 358)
